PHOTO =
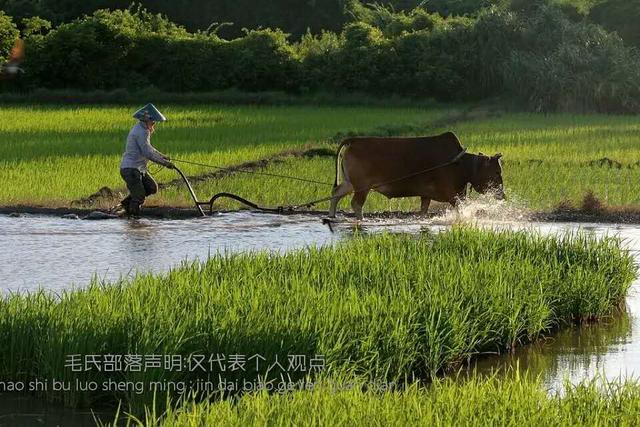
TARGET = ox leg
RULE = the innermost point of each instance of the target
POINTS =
(424, 205)
(455, 202)
(337, 194)
(357, 202)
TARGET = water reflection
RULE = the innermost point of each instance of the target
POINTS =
(609, 349)
(57, 254)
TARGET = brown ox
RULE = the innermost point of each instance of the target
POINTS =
(432, 168)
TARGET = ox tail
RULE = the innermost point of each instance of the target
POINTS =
(340, 173)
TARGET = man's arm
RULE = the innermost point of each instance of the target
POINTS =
(148, 150)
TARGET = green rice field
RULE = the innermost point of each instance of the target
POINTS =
(51, 156)
(381, 309)
(388, 308)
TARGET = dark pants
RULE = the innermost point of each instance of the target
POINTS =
(140, 185)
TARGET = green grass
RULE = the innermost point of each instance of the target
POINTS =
(513, 401)
(565, 144)
(386, 307)
(547, 161)
(53, 155)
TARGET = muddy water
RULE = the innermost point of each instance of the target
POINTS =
(58, 254)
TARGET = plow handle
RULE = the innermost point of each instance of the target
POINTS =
(193, 195)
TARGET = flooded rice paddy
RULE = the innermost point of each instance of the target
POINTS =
(57, 254)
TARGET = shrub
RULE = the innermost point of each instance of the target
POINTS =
(35, 26)
(320, 59)
(90, 53)
(87, 54)
(8, 35)
(585, 69)
(393, 23)
(621, 16)
(263, 60)
(533, 51)
(180, 64)
(362, 59)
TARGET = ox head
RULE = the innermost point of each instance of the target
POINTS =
(487, 175)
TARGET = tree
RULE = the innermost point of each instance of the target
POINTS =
(8, 35)
(621, 16)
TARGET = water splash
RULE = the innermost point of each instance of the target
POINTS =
(485, 209)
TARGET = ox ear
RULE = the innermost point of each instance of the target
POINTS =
(498, 156)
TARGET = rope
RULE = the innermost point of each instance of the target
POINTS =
(230, 169)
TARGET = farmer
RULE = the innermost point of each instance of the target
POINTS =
(138, 152)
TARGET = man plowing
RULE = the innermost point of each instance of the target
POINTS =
(138, 152)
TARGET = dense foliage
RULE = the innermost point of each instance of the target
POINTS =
(533, 51)
(515, 400)
(291, 15)
(621, 16)
(8, 35)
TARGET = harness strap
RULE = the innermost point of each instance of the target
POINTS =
(450, 162)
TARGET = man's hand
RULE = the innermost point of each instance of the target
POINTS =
(167, 162)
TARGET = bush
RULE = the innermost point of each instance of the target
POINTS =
(361, 59)
(461, 7)
(532, 51)
(179, 64)
(583, 69)
(8, 35)
(621, 16)
(263, 60)
(87, 54)
(35, 26)
(320, 60)
(458, 59)
(392, 23)
(90, 53)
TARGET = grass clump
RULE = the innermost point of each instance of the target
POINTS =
(386, 307)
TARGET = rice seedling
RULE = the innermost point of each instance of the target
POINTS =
(515, 400)
(383, 308)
